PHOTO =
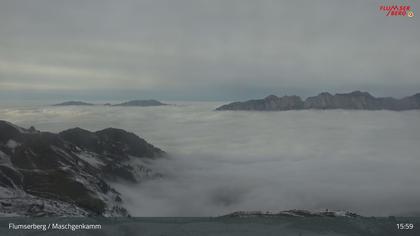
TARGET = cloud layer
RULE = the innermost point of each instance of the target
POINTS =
(362, 161)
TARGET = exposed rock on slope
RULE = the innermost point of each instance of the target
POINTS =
(355, 101)
(114, 150)
(66, 174)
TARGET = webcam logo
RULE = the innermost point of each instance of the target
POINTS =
(397, 10)
(410, 13)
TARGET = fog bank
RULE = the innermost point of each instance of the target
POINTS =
(362, 161)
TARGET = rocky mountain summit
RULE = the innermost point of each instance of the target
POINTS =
(68, 174)
(132, 103)
(356, 100)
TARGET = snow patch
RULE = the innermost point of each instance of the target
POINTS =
(6, 193)
(4, 159)
(91, 159)
(12, 144)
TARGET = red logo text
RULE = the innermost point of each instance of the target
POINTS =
(397, 10)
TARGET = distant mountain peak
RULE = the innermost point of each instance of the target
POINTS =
(74, 103)
(356, 100)
(142, 103)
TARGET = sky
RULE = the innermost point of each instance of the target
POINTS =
(204, 49)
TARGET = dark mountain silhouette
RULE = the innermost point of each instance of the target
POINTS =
(141, 103)
(356, 100)
(74, 103)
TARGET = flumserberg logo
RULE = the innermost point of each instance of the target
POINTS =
(397, 10)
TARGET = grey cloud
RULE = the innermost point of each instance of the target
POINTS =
(181, 47)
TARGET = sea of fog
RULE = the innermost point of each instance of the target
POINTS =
(221, 161)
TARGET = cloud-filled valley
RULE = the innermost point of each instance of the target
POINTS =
(362, 161)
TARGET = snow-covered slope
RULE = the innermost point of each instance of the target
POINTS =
(294, 213)
(67, 174)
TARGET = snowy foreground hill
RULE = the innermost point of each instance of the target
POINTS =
(294, 213)
(68, 174)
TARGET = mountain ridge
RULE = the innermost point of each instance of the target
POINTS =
(356, 100)
(74, 103)
(48, 174)
(142, 103)
(138, 103)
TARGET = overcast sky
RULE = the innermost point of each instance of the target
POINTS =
(204, 49)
